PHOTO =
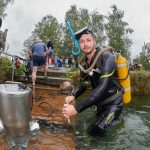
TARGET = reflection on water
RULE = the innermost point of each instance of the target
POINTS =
(52, 134)
(43, 136)
(131, 133)
(16, 143)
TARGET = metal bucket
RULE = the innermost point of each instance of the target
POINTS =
(15, 108)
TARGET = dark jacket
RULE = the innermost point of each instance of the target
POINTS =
(101, 79)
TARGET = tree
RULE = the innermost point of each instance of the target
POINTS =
(117, 31)
(97, 26)
(72, 15)
(144, 56)
(3, 6)
(80, 18)
(47, 29)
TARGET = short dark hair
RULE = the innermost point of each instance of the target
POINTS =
(50, 44)
(85, 30)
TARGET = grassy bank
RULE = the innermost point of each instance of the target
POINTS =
(140, 82)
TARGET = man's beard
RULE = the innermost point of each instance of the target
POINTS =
(91, 50)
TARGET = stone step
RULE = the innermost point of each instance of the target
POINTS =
(55, 72)
(43, 80)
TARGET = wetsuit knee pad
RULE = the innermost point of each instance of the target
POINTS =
(95, 130)
(104, 120)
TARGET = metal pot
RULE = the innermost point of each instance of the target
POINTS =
(15, 107)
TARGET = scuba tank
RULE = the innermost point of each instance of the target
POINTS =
(122, 72)
(123, 77)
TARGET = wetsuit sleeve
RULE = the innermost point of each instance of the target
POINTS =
(82, 85)
(106, 77)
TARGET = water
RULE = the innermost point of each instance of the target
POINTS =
(43, 135)
(132, 132)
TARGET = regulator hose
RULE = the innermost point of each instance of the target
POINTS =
(95, 60)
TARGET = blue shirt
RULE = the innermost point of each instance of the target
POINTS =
(39, 49)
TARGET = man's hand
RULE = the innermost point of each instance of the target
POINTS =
(69, 99)
(68, 110)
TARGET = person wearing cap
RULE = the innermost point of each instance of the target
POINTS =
(39, 57)
(108, 104)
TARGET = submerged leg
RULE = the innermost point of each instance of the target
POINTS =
(107, 118)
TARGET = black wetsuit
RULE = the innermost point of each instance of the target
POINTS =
(104, 87)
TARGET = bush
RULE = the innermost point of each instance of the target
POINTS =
(140, 82)
(74, 75)
(7, 70)
(20, 70)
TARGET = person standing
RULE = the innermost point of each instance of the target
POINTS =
(70, 61)
(107, 93)
(39, 57)
(50, 53)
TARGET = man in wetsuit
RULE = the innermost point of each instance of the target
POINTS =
(106, 95)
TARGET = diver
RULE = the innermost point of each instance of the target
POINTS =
(107, 93)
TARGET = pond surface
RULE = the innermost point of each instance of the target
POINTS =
(132, 132)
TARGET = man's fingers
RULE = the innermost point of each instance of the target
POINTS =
(65, 105)
(67, 100)
(66, 116)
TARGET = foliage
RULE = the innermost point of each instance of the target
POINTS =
(73, 74)
(117, 31)
(20, 70)
(144, 57)
(3, 6)
(83, 18)
(47, 29)
(113, 29)
(140, 80)
(6, 69)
